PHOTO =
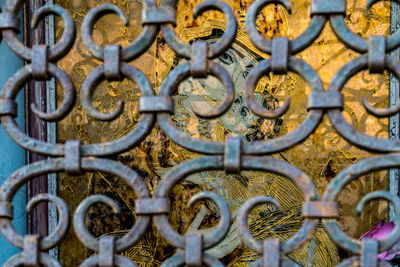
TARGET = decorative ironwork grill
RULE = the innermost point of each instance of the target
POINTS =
(232, 156)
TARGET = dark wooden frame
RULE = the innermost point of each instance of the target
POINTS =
(35, 92)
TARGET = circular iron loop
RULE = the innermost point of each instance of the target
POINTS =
(119, 261)
(44, 259)
(349, 174)
(381, 112)
(261, 69)
(178, 260)
(132, 51)
(26, 173)
(243, 217)
(59, 50)
(95, 78)
(352, 40)
(10, 91)
(308, 126)
(16, 82)
(140, 131)
(296, 45)
(141, 191)
(123, 144)
(222, 229)
(248, 163)
(80, 217)
(54, 238)
(218, 234)
(215, 49)
(170, 87)
(340, 124)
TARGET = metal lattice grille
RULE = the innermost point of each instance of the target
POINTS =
(232, 156)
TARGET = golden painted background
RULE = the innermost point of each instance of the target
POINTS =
(321, 156)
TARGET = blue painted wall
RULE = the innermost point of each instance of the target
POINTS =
(12, 156)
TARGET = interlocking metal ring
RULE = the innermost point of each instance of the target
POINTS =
(300, 133)
(119, 261)
(248, 163)
(9, 189)
(17, 81)
(21, 176)
(353, 41)
(339, 122)
(132, 51)
(296, 45)
(218, 233)
(59, 50)
(171, 179)
(48, 242)
(170, 86)
(97, 76)
(215, 49)
(347, 176)
(141, 191)
(91, 242)
(245, 234)
(10, 91)
(355, 261)
(231, 156)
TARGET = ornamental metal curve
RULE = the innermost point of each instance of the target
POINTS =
(232, 156)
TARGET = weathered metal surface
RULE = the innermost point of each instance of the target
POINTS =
(231, 156)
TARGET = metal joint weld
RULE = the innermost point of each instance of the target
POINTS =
(199, 60)
(271, 253)
(194, 250)
(377, 54)
(112, 62)
(369, 255)
(73, 157)
(8, 107)
(9, 21)
(328, 7)
(6, 210)
(154, 104)
(152, 206)
(320, 209)
(280, 55)
(31, 251)
(325, 100)
(159, 16)
(106, 251)
(232, 155)
(40, 62)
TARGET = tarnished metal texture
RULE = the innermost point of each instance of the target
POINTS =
(232, 156)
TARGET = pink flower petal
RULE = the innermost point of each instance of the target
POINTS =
(379, 232)
(384, 231)
(391, 256)
(382, 255)
(373, 231)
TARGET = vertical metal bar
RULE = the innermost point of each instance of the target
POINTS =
(394, 129)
